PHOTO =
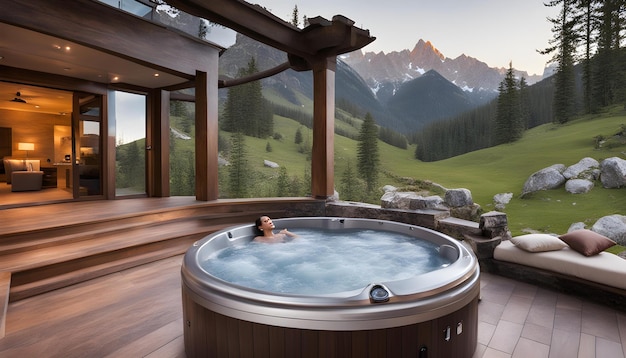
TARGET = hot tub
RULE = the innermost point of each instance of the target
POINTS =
(430, 314)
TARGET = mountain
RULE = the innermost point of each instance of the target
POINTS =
(292, 85)
(382, 70)
(428, 98)
(404, 106)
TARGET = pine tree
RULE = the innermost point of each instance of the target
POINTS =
(203, 29)
(563, 46)
(587, 26)
(294, 16)
(235, 108)
(245, 108)
(298, 136)
(295, 186)
(307, 180)
(238, 171)
(609, 68)
(524, 99)
(368, 159)
(509, 122)
(351, 187)
(282, 183)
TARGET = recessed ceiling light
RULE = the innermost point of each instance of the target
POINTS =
(67, 69)
(156, 75)
(115, 78)
(67, 48)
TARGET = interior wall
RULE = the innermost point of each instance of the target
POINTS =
(37, 128)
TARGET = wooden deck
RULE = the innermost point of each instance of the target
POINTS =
(137, 311)
(133, 313)
(50, 246)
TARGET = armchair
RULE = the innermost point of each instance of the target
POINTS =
(23, 175)
(25, 180)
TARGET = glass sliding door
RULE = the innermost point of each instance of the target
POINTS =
(87, 139)
(182, 149)
(128, 113)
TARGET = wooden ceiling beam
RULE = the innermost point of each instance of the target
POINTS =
(322, 38)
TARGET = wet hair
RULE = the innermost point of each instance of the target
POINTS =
(258, 223)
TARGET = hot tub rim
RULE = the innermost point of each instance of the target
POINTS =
(319, 312)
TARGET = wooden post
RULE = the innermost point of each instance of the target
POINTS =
(158, 148)
(323, 160)
(206, 136)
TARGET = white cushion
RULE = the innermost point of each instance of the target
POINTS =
(604, 268)
(538, 242)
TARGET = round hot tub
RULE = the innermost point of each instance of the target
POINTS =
(344, 288)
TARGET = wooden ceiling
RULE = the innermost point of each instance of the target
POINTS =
(37, 51)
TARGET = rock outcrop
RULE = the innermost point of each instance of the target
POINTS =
(586, 168)
(613, 172)
(613, 227)
(458, 202)
(500, 200)
(578, 178)
(545, 179)
(578, 186)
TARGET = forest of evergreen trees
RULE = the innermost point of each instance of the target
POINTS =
(588, 51)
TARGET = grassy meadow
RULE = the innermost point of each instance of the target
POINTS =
(486, 172)
(505, 168)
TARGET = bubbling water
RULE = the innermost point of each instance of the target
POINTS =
(325, 261)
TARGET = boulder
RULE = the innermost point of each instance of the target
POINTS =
(221, 161)
(270, 164)
(545, 179)
(584, 169)
(613, 172)
(613, 227)
(468, 212)
(576, 226)
(387, 198)
(495, 224)
(429, 202)
(387, 188)
(578, 186)
(458, 197)
(397, 199)
(500, 200)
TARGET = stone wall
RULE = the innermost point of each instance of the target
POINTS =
(482, 237)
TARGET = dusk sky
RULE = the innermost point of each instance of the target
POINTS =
(493, 31)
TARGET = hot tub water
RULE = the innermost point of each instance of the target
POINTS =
(326, 261)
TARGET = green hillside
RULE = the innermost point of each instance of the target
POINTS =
(490, 171)
(505, 168)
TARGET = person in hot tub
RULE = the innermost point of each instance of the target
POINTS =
(266, 227)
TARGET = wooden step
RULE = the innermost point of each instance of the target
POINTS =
(71, 259)
(45, 254)
(96, 266)
(67, 251)
(32, 239)
(5, 285)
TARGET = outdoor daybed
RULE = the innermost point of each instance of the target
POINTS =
(574, 263)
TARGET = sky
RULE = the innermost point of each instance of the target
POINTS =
(496, 32)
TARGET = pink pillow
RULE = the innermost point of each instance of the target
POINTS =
(587, 242)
